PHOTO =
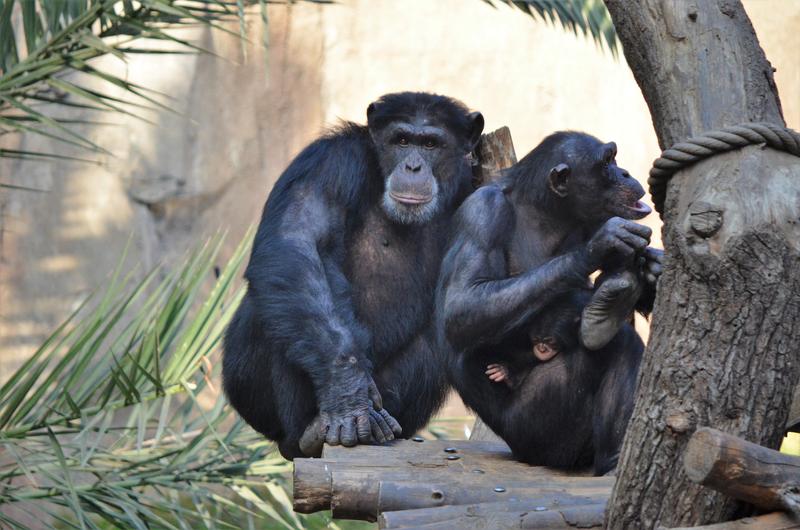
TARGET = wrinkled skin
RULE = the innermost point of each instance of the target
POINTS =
(516, 278)
(320, 350)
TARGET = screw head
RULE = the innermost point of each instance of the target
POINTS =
(450, 450)
(418, 439)
(453, 457)
(499, 489)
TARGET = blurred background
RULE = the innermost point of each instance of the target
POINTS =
(245, 110)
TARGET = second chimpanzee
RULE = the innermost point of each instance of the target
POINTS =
(336, 322)
(528, 243)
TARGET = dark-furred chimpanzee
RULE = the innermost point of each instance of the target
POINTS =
(337, 320)
(522, 250)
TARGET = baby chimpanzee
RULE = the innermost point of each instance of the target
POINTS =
(564, 327)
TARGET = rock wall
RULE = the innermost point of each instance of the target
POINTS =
(243, 116)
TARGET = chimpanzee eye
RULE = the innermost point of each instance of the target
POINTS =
(430, 144)
(402, 141)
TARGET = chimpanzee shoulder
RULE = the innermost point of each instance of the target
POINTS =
(486, 218)
(336, 166)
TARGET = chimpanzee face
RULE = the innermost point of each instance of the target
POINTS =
(423, 163)
(595, 187)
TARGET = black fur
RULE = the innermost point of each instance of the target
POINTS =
(518, 264)
(340, 294)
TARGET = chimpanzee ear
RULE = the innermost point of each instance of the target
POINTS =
(558, 179)
(476, 128)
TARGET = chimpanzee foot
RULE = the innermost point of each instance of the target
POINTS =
(610, 307)
(313, 439)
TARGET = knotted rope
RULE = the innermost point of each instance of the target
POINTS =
(697, 148)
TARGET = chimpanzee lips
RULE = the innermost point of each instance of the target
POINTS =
(639, 209)
(407, 198)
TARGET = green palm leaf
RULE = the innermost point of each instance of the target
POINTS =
(590, 17)
(113, 422)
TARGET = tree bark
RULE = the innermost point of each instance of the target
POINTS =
(726, 329)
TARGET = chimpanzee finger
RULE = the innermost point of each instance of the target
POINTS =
(636, 242)
(374, 395)
(377, 433)
(654, 254)
(332, 436)
(396, 429)
(348, 436)
(384, 427)
(637, 229)
(364, 428)
(622, 248)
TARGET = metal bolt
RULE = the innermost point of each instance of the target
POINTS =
(539, 509)
(450, 450)
(453, 457)
(499, 489)
(418, 439)
(478, 471)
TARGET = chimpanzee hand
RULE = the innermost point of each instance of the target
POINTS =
(352, 411)
(618, 239)
(652, 264)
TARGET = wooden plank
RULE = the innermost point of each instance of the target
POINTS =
(745, 471)
(320, 484)
(353, 496)
(589, 516)
(518, 508)
(770, 521)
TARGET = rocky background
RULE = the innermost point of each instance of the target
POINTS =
(244, 113)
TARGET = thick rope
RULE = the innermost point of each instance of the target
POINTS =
(711, 143)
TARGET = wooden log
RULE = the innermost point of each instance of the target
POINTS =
(589, 516)
(520, 507)
(407, 450)
(314, 478)
(770, 521)
(495, 151)
(744, 471)
(354, 496)
(426, 462)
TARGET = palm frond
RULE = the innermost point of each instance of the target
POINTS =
(113, 421)
(47, 48)
(590, 17)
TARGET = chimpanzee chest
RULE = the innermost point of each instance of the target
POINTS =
(393, 270)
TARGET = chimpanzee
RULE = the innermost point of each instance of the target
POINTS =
(573, 321)
(522, 250)
(336, 323)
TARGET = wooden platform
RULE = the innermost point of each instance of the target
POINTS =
(446, 484)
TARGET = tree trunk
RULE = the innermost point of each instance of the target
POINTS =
(726, 326)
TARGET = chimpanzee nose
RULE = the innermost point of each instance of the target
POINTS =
(413, 165)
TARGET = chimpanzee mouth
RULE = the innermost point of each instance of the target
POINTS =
(639, 209)
(409, 199)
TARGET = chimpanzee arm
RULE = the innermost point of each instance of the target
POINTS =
(302, 298)
(479, 302)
